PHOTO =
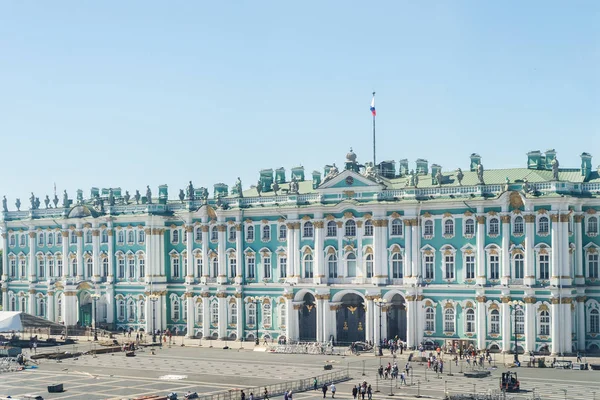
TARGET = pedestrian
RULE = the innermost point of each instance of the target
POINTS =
(578, 357)
(332, 388)
(251, 396)
(380, 371)
(242, 395)
(354, 392)
(35, 347)
(266, 394)
(363, 391)
(402, 379)
(324, 389)
(370, 392)
(407, 367)
(315, 383)
(290, 395)
(285, 395)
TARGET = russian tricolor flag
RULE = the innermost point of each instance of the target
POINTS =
(373, 106)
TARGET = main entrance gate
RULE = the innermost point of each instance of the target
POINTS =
(397, 318)
(308, 319)
(350, 319)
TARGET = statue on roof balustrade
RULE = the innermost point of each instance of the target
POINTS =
(276, 187)
(55, 200)
(126, 197)
(259, 187)
(439, 177)
(47, 202)
(65, 202)
(555, 169)
(181, 195)
(480, 174)
(37, 203)
(294, 186)
(238, 187)
(190, 192)
(459, 176)
(148, 195)
(4, 205)
(32, 201)
(137, 196)
(18, 204)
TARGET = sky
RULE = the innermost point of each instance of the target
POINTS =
(136, 93)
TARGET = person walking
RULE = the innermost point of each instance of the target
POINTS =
(578, 357)
(354, 392)
(370, 392)
(285, 395)
(242, 395)
(332, 388)
(251, 396)
(266, 394)
(315, 383)
(402, 378)
(290, 395)
(324, 389)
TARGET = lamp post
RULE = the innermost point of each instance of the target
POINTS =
(516, 307)
(95, 297)
(255, 300)
(153, 298)
(379, 302)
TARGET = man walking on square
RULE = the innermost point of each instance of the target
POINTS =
(332, 388)
(324, 389)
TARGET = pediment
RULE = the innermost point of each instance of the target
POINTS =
(350, 180)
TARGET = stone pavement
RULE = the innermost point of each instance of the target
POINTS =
(213, 370)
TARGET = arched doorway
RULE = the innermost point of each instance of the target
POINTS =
(85, 309)
(308, 319)
(396, 318)
(350, 319)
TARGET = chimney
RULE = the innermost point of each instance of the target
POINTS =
(316, 179)
(475, 161)
(586, 165)
(534, 159)
(422, 168)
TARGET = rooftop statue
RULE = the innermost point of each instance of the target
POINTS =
(238, 187)
(204, 194)
(416, 180)
(276, 187)
(148, 195)
(80, 196)
(126, 197)
(526, 187)
(555, 169)
(37, 203)
(111, 197)
(219, 201)
(65, 203)
(294, 186)
(55, 200)
(190, 192)
(4, 206)
(137, 196)
(259, 187)
(47, 202)
(439, 177)
(459, 176)
(32, 201)
(506, 183)
(480, 174)
(181, 195)
(18, 204)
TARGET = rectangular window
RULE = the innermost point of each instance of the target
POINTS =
(13, 267)
(250, 233)
(469, 267)
(495, 322)
(494, 267)
(232, 268)
(132, 267)
(175, 267)
(449, 267)
(429, 319)
(232, 234)
(470, 321)
(544, 266)
(593, 265)
(59, 238)
(428, 267)
(267, 267)
(42, 268)
(199, 266)
(142, 264)
(251, 267)
(121, 264)
(283, 267)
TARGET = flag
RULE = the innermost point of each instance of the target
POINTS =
(373, 106)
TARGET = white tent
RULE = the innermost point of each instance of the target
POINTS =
(20, 321)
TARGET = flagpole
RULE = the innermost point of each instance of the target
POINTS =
(374, 158)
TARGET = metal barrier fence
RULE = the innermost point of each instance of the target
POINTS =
(279, 389)
(309, 348)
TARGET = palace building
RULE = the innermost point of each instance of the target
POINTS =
(359, 253)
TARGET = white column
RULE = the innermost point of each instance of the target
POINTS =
(555, 326)
(290, 251)
(110, 304)
(222, 278)
(96, 254)
(79, 234)
(296, 320)
(4, 256)
(555, 254)
(223, 314)
(579, 279)
(361, 269)
(5, 299)
(380, 251)
(369, 318)
(189, 246)
(292, 316)
(506, 324)
(191, 315)
(325, 318)
(416, 253)
(408, 272)
(332, 319)
(376, 329)
(31, 306)
(49, 307)
(319, 310)
(419, 320)
(319, 272)
(581, 323)
(32, 258)
(111, 254)
(160, 249)
(529, 324)
(566, 325)
(480, 241)
(148, 312)
(529, 264)
(239, 257)
(505, 247)
(481, 322)
(296, 250)
(411, 321)
(205, 311)
(205, 261)
(566, 272)
(384, 321)
(163, 311)
(70, 308)
(241, 316)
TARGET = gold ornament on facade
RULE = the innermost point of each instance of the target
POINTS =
(307, 250)
(448, 305)
(566, 300)
(349, 248)
(578, 218)
(505, 219)
(581, 299)
(554, 217)
(359, 224)
(493, 306)
(348, 215)
(221, 295)
(515, 200)
(297, 306)
(565, 217)
(352, 309)
(480, 219)
(329, 217)
(448, 215)
(222, 228)
(529, 300)
(555, 300)
(481, 299)
(205, 228)
(319, 224)
(410, 297)
(205, 294)
(591, 211)
(505, 299)
(349, 193)
(31, 234)
(288, 296)
(529, 218)
(95, 233)
(426, 215)
(543, 307)
(305, 218)
(189, 228)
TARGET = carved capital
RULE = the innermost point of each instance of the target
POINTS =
(505, 299)
(189, 228)
(420, 297)
(581, 299)
(529, 300)
(481, 219)
(238, 227)
(238, 295)
(554, 217)
(578, 219)
(529, 218)
(32, 291)
(566, 300)
(95, 232)
(297, 306)
(505, 219)
(148, 231)
(335, 307)
(110, 232)
(221, 295)
(205, 294)
(555, 300)
(188, 295)
(50, 293)
(322, 296)
(410, 297)
(31, 234)
(319, 224)
(288, 296)
(222, 228)
(205, 228)
(481, 299)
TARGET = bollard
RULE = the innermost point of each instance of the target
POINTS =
(418, 389)
(474, 391)
(363, 362)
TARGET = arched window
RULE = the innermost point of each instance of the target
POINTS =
(251, 267)
(88, 236)
(332, 266)
(41, 239)
(494, 228)
(351, 265)
(369, 265)
(449, 266)
(131, 310)
(520, 319)
(470, 321)
(331, 229)
(50, 239)
(233, 314)
(141, 236)
(198, 233)
(199, 269)
(232, 267)
(592, 225)
(308, 266)
(121, 237)
(396, 227)
(214, 233)
(266, 314)
(142, 266)
(51, 267)
(175, 236)
(251, 314)
(199, 314)
(545, 323)
(429, 319)
(121, 310)
(121, 266)
(215, 265)
(13, 304)
(282, 316)
(397, 266)
(73, 237)
(104, 236)
(59, 265)
(449, 320)
(250, 233)
(282, 232)
(594, 321)
(266, 233)
(12, 241)
(73, 267)
(89, 266)
(519, 266)
(543, 225)
(282, 266)
(350, 228)
(368, 227)
(142, 312)
(449, 227)
(175, 316)
(428, 228)
(41, 308)
(105, 266)
(175, 267)
(544, 266)
(470, 227)
(593, 265)
(58, 307)
(232, 233)
(131, 236)
(308, 230)
(495, 321)
(518, 226)
(214, 314)
(494, 261)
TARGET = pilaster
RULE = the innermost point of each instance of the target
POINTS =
(50, 306)
(222, 256)
(80, 265)
(380, 251)
(32, 257)
(189, 277)
(241, 322)
(480, 242)
(239, 256)
(580, 309)
(191, 315)
(222, 300)
(408, 272)
(506, 324)
(111, 254)
(481, 322)
(206, 323)
(579, 278)
(555, 326)
(555, 270)
(505, 273)
(96, 255)
(319, 272)
(530, 319)
(206, 268)
(565, 272)
(31, 306)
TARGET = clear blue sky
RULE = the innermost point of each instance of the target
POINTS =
(146, 92)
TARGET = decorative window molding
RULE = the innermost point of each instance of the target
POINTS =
(307, 265)
(428, 228)
(493, 262)
(449, 263)
(591, 225)
(428, 263)
(469, 260)
(331, 229)
(493, 227)
(543, 225)
(448, 227)
(368, 228)
(308, 230)
(282, 233)
(518, 225)
(265, 233)
(397, 226)
(250, 233)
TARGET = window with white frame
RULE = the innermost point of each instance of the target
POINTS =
(282, 266)
(351, 265)
(251, 314)
(282, 232)
(41, 267)
(332, 266)
(266, 233)
(12, 240)
(41, 239)
(518, 226)
(397, 267)
(74, 267)
(429, 319)
(449, 266)
(232, 267)
(23, 240)
(142, 266)
(50, 239)
(142, 310)
(368, 228)
(282, 315)
(199, 314)
(592, 264)
(131, 312)
(251, 267)
(199, 266)
(41, 308)
(13, 267)
(428, 228)
(448, 227)
(543, 225)
(198, 233)
(396, 227)
(495, 322)
(175, 236)
(369, 265)
(215, 266)
(59, 265)
(120, 237)
(88, 236)
(350, 229)
(266, 314)
(449, 320)
(214, 233)
(51, 267)
(469, 260)
(232, 233)
(308, 265)
(520, 322)
(121, 267)
(331, 229)
(469, 227)
(308, 229)
(266, 261)
(141, 236)
(544, 266)
(233, 314)
(104, 266)
(175, 267)
(544, 323)
(594, 321)
(89, 266)
(73, 237)
(121, 310)
(250, 233)
(429, 263)
(214, 314)
(104, 236)
(518, 266)
(494, 262)
(470, 321)
(494, 227)
(592, 226)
